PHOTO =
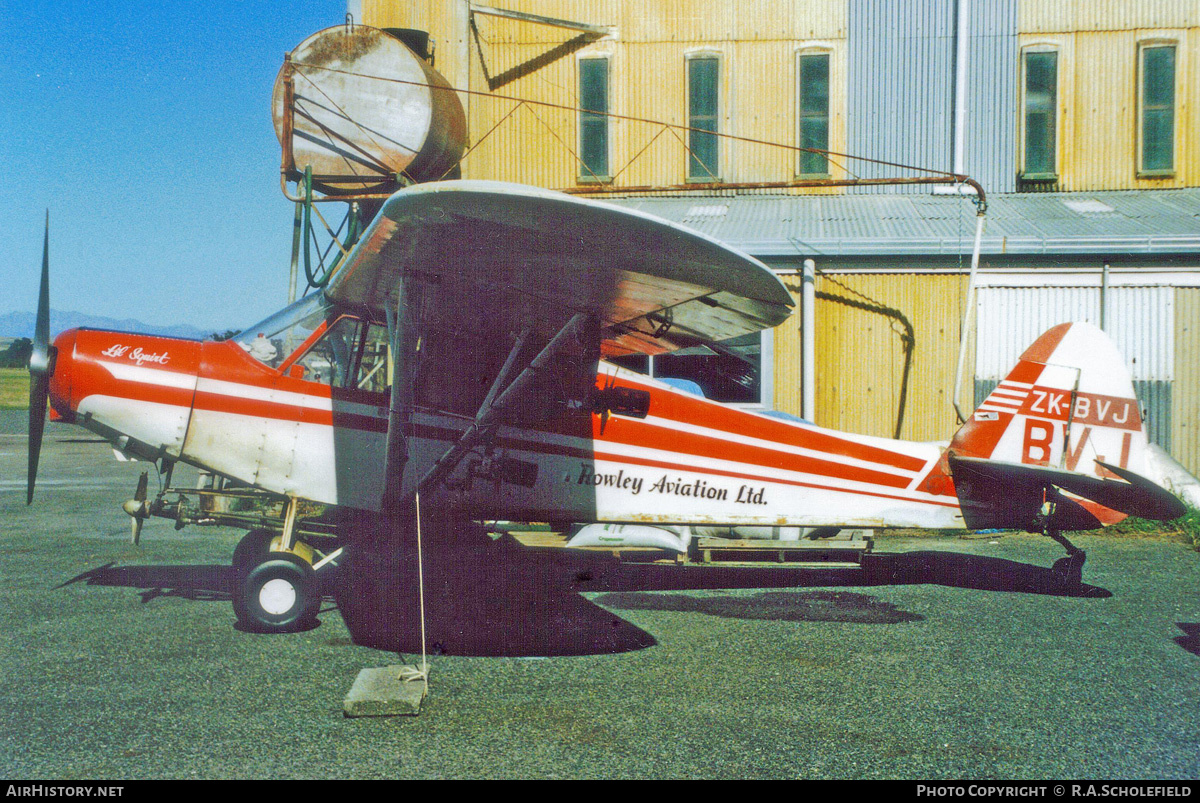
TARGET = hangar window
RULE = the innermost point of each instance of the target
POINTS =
(703, 78)
(1040, 116)
(1157, 110)
(812, 103)
(593, 120)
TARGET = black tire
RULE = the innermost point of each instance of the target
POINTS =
(279, 595)
(252, 550)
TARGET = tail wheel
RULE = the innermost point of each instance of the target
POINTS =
(280, 595)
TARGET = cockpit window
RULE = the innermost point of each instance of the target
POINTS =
(328, 360)
(371, 370)
(274, 339)
(350, 353)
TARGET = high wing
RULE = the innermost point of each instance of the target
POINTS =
(497, 256)
(501, 298)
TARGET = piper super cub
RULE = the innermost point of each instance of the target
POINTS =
(459, 353)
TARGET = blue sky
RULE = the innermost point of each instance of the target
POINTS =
(145, 129)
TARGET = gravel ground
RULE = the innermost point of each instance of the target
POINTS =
(958, 658)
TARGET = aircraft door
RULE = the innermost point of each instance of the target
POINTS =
(334, 451)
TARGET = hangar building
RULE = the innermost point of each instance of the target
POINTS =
(1080, 118)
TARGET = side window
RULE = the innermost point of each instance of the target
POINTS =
(330, 358)
(1157, 110)
(735, 375)
(1041, 89)
(593, 124)
(703, 84)
(813, 105)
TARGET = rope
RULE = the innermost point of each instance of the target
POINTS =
(629, 118)
(409, 673)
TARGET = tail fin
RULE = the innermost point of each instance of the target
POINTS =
(1066, 418)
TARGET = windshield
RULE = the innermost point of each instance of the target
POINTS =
(272, 340)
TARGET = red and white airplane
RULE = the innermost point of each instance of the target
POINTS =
(460, 353)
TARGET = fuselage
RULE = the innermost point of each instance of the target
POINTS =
(689, 460)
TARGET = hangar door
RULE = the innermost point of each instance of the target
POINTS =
(1140, 320)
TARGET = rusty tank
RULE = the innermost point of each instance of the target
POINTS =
(365, 113)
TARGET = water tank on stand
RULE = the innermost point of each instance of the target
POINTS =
(365, 113)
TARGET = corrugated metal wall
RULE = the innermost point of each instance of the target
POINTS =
(892, 82)
(862, 323)
(1098, 43)
(991, 127)
(900, 102)
(1050, 16)
(901, 85)
(1185, 421)
(756, 42)
(1098, 116)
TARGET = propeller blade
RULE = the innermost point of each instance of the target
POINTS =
(41, 328)
(139, 498)
(39, 389)
(39, 367)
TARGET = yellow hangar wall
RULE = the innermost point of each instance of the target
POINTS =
(756, 44)
(1098, 43)
(864, 319)
(887, 345)
(1185, 419)
(1097, 107)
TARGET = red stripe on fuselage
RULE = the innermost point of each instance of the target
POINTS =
(643, 433)
(665, 405)
(712, 415)
(449, 435)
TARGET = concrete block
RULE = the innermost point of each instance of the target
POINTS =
(380, 692)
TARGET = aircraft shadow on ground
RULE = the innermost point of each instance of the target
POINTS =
(500, 599)
(780, 606)
(881, 569)
(976, 572)
(202, 583)
(1190, 641)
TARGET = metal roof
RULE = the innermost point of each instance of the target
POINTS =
(1053, 224)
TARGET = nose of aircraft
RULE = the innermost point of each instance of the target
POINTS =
(61, 373)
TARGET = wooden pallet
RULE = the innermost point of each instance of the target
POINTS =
(824, 551)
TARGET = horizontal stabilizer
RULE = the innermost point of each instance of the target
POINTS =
(1148, 500)
(1000, 494)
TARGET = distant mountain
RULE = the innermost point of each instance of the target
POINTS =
(20, 324)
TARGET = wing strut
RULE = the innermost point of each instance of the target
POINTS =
(405, 343)
(581, 328)
(519, 375)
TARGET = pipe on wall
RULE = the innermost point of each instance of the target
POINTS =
(808, 342)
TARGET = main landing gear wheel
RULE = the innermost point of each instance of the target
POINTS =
(280, 595)
(253, 549)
